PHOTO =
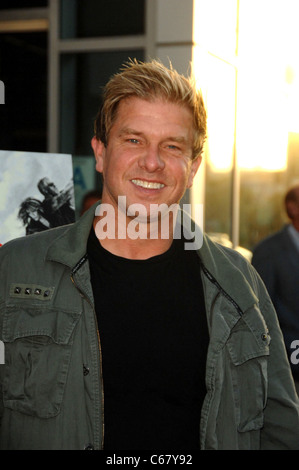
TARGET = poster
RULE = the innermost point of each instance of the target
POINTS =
(84, 178)
(36, 193)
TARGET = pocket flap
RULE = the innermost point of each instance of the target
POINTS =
(248, 341)
(20, 322)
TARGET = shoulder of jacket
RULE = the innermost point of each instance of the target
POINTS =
(31, 244)
(231, 255)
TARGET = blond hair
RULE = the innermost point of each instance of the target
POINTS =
(149, 81)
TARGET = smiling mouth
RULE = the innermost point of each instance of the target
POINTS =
(148, 184)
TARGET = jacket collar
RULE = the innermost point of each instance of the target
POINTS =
(222, 264)
(229, 270)
(70, 247)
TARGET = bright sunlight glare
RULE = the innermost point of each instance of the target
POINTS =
(267, 79)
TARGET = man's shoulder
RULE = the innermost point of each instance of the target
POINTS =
(271, 243)
(226, 260)
(31, 244)
(220, 250)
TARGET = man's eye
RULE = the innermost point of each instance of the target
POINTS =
(174, 148)
(133, 141)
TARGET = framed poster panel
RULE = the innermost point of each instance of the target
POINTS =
(36, 193)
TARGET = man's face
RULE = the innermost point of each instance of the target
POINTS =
(148, 157)
(52, 190)
(49, 188)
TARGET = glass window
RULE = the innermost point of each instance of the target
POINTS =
(219, 153)
(268, 131)
(94, 18)
(262, 196)
(11, 4)
(23, 118)
(261, 205)
(215, 36)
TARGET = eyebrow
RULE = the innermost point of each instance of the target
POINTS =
(128, 131)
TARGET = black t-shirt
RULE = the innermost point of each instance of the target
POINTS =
(154, 339)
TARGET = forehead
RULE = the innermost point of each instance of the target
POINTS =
(155, 113)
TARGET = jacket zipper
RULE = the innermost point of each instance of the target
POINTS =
(216, 283)
(100, 351)
(212, 279)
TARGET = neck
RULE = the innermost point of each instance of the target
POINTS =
(135, 249)
(131, 238)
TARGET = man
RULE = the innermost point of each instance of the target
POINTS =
(117, 341)
(57, 205)
(276, 258)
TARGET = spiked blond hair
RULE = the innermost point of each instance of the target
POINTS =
(149, 81)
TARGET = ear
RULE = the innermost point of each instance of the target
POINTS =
(293, 209)
(98, 150)
(195, 164)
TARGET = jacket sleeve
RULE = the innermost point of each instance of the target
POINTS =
(3, 265)
(1, 394)
(1, 355)
(281, 415)
(2, 360)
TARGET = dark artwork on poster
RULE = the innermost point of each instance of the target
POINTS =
(36, 193)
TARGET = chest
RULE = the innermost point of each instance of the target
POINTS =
(151, 316)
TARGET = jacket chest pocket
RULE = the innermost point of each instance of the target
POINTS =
(249, 353)
(38, 344)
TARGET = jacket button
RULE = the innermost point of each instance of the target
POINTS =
(85, 370)
(89, 447)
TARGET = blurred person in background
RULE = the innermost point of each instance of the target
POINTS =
(89, 199)
(276, 258)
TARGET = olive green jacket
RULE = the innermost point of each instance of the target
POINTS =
(51, 382)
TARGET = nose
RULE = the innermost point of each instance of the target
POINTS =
(151, 160)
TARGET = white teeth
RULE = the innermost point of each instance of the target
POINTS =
(148, 184)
